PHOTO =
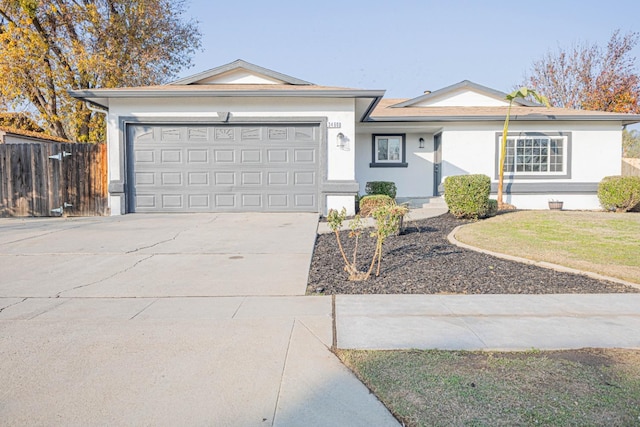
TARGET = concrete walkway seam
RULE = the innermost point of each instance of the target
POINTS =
(544, 264)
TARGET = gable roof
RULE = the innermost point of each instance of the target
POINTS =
(236, 79)
(459, 87)
(237, 65)
(243, 79)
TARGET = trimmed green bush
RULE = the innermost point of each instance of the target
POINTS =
(492, 209)
(381, 187)
(369, 203)
(619, 193)
(467, 196)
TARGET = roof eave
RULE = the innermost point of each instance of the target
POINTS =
(535, 118)
(374, 103)
(133, 93)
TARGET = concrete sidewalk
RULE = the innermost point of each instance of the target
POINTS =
(224, 361)
(487, 322)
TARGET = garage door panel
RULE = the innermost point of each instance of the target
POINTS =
(146, 201)
(277, 133)
(305, 200)
(197, 156)
(171, 178)
(277, 156)
(224, 178)
(170, 134)
(145, 156)
(172, 201)
(250, 133)
(305, 133)
(252, 178)
(224, 168)
(225, 200)
(224, 156)
(198, 134)
(304, 156)
(171, 156)
(224, 133)
(278, 200)
(145, 178)
(304, 178)
(251, 200)
(198, 178)
(199, 201)
(251, 156)
(277, 178)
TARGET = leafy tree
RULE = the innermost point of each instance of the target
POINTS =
(523, 92)
(49, 47)
(19, 121)
(590, 77)
(631, 143)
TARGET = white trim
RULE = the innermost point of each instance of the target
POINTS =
(548, 161)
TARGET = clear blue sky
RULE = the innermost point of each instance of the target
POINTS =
(402, 46)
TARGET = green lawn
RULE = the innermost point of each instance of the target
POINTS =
(601, 242)
(589, 387)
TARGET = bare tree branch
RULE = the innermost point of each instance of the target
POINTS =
(587, 76)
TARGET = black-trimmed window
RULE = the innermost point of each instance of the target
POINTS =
(534, 155)
(388, 150)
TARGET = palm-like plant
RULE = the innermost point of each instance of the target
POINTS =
(523, 92)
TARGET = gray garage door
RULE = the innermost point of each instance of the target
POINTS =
(217, 168)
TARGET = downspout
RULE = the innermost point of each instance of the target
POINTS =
(97, 110)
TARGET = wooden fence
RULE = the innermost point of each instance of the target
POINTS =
(630, 167)
(53, 179)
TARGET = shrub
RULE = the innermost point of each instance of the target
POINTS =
(619, 193)
(492, 209)
(388, 218)
(467, 196)
(381, 187)
(369, 203)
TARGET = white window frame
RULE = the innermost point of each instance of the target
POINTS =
(529, 138)
(400, 161)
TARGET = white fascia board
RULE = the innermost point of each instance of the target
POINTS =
(535, 118)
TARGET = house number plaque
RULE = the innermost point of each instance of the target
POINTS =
(334, 125)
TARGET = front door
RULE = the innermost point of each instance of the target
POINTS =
(437, 163)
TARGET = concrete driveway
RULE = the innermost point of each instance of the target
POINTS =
(157, 255)
(169, 320)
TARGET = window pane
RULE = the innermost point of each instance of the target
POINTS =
(383, 149)
(535, 155)
(394, 149)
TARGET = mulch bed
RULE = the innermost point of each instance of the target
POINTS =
(422, 261)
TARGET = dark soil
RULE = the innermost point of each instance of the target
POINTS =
(422, 261)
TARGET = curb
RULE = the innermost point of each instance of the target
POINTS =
(544, 264)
